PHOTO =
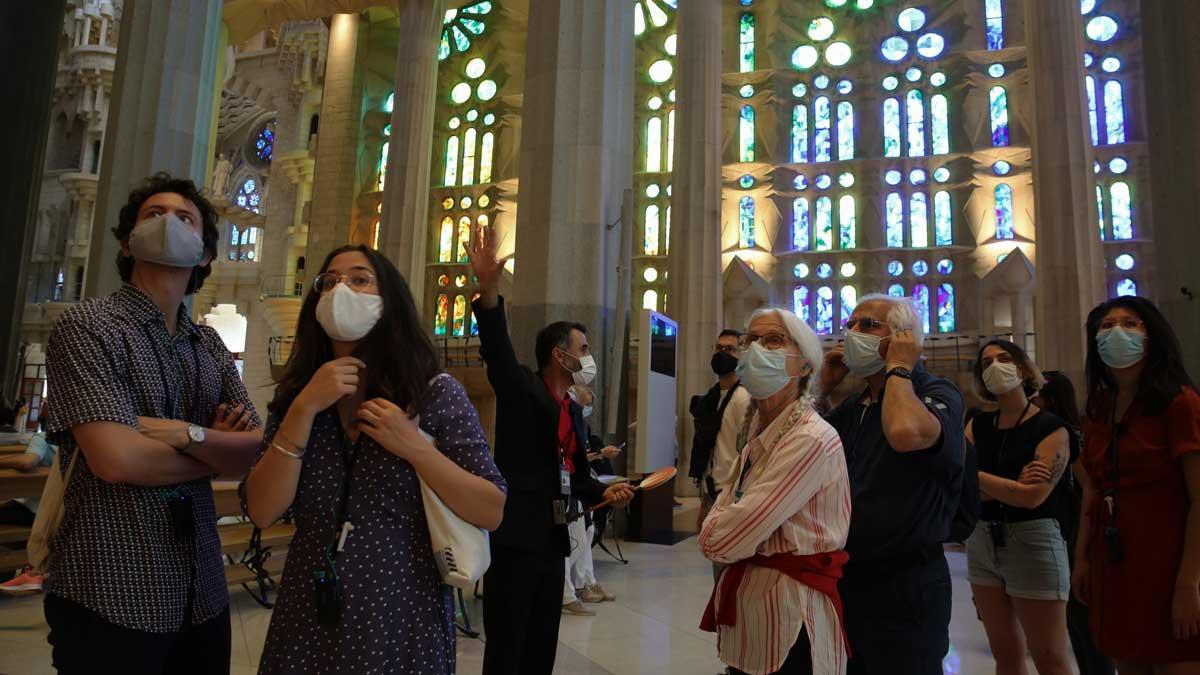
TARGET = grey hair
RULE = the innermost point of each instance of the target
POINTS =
(803, 336)
(902, 314)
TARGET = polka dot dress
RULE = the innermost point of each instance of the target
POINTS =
(397, 616)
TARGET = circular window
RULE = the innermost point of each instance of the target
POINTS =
(892, 177)
(801, 271)
(931, 45)
(1111, 64)
(1001, 168)
(670, 43)
(746, 91)
(454, 123)
(848, 269)
(1118, 165)
(911, 19)
(805, 57)
(824, 181)
(799, 90)
(1102, 28)
(894, 48)
(484, 200)
(845, 87)
(996, 70)
(650, 274)
(475, 68)
(920, 268)
(472, 115)
(895, 268)
(1124, 261)
(448, 203)
(460, 93)
(820, 28)
(487, 90)
(661, 70)
(912, 74)
(821, 82)
(654, 103)
(652, 190)
(891, 82)
(937, 79)
(746, 181)
(838, 54)
(846, 179)
(465, 203)
(824, 270)
(945, 266)
(917, 177)
(941, 174)
(800, 182)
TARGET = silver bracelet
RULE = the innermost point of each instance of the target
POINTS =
(287, 452)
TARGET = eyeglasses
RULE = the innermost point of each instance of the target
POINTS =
(864, 324)
(358, 281)
(769, 341)
(726, 349)
(1127, 323)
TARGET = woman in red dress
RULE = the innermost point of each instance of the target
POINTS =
(1138, 562)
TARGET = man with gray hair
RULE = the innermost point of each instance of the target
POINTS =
(903, 437)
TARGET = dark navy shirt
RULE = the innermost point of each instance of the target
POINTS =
(901, 503)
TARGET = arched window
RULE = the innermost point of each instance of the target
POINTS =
(918, 219)
(1114, 112)
(650, 300)
(916, 123)
(822, 137)
(1089, 83)
(800, 303)
(248, 196)
(824, 224)
(943, 219)
(746, 43)
(451, 175)
(1126, 287)
(799, 134)
(746, 134)
(460, 316)
(945, 308)
(1122, 210)
(1100, 211)
(896, 291)
(264, 143)
(891, 127)
(939, 112)
(442, 315)
(801, 233)
(464, 238)
(486, 149)
(920, 296)
(651, 239)
(824, 310)
(845, 113)
(999, 116)
(446, 240)
(894, 207)
(1004, 211)
(654, 144)
(846, 220)
(849, 301)
(468, 171)
(746, 222)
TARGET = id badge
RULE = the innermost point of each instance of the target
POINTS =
(560, 512)
(564, 481)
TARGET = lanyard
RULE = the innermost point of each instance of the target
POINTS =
(1004, 444)
(342, 526)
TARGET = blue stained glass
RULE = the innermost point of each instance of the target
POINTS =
(845, 113)
(920, 296)
(1114, 112)
(994, 17)
(800, 270)
(264, 145)
(746, 134)
(846, 222)
(849, 301)
(799, 90)
(895, 268)
(444, 47)
(845, 87)
(746, 43)
(801, 233)
(1004, 211)
(746, 222)
(1122, 210)
(800, 303)
(931, 45)
(941, 174)
(891, 82)
(943, 219)
(996, 70)
(916, 176)
(895, 222)
(891, 128)
(1093, 114)
(461, 41)
(945, 308)
(918, 219)
(1126, 287)
(999, 115)
(916, 123)
(892, 177)
(939, 113)
(896, 291)
(920, 268)
(824, 270)
(1101, 28)
(1100, 210)
(800, 182)
(1118, 165)
(1124, 262)
(824, 310)
(894, 48)
(472, 25)
(746, 181)
(821, 82)
(824, 181)
(824, 223)
(1086, 6)
(821, 140)
(799, 134)
(478, 8)
(1001, 168)
(945, 266)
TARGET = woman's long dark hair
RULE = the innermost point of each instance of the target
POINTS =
(1163, 376)
(1058, 397)
(399, 353)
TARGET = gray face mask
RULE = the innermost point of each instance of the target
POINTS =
(166, 240)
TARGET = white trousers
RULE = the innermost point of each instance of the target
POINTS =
(580, 573)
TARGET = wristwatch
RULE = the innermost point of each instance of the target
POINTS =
(195, 437)
(899, 371)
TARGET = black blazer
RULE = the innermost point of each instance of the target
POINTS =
(526, 446)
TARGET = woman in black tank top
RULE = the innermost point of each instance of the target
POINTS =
(1016, 557)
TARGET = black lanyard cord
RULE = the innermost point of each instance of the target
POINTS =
(1004, 444)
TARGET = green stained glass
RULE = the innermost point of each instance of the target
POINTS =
(472, 25)
(943, 219)
(444, 47)
(658, 17)
(916, 123)
(848, 238)
(799, 134)
(746, 134)
(746, 43)
(468, 171)
(443, 311)
(461, 41)
(478, 8)
(824, 224)
(487, 149)
(891, 128)
(822, 136)
(894, 208)
(939, 113)
(918, 219)
(451, 175)
(650, 240)
(845, 114)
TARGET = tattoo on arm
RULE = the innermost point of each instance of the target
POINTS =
(1058, 467)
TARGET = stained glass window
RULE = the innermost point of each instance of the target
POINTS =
(446, 240)
(845, 114)
(1126, 287)
(248, 197)
(451, 175)
(895, 220)
(1100, 210)
(746, 222)
(650, 245)
(264, 142)
(1004, 211)
(999, 116)
(460, 315)
(824, 224)
(383, 154)
(891, 128)
(464, 238)
(825, 310)
(916, 123)
(920, 296)
(800, 224)
(800, 303)
(821, 138)
(918, 219)
(460, 26)
(1122, 210)
(994, 20)
(849, 301)
(799, 134)
(746, 43)
(945, 308)
(896, 291)
(654, 144)
(1093, 111)
(650, 300)
(943, 219)
(1114, 112)
(746, 134)
(442, 315)
(939, 113)
(468, 172)
(846, 208)
(487, 148)
(671, 140)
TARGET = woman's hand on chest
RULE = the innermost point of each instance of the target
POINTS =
(393, 429)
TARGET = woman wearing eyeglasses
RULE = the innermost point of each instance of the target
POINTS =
(780, 525)
(343, 450)
(1138, 551)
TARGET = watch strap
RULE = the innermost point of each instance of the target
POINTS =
(899, 371)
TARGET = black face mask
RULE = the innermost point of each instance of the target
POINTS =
(724, 364)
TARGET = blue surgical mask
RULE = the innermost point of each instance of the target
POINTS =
(763, 371)
(861, 354)
(1120, 348)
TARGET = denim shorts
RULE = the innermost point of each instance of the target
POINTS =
(1032, 564)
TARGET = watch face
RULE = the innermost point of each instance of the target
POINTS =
(196, 433)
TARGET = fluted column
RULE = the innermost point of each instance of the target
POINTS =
(404, 224)
(694, 294)
(574, 169)
(160, 114)
(1070, 268)
(335, 175)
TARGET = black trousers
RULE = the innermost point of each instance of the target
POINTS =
(84, 642)
(798, 661)
(897, 617)
(522, 606)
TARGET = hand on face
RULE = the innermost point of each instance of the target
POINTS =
(902, 351)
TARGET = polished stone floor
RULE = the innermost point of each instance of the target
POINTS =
(651, 628)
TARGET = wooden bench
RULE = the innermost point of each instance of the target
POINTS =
(22, 484)
(13, 534)
(226, 499)
(235, 539)
(11, 449)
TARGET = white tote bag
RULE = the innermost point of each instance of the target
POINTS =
(50, 513)
(460, 549)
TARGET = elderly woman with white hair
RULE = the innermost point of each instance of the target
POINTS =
(781, 525)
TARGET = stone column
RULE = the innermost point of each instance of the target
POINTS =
(160, 114)
(694, 294)
(335, 176)
(404, 223)
(1070, 268)
(573, 171)
(1172, 69)
(32, 40)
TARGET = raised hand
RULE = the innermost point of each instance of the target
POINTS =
(331, 383)
(903, 350)
(833, 371)
(486, 265)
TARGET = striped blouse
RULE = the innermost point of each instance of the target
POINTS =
(795, 499)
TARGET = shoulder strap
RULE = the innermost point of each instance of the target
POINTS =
(725, 402)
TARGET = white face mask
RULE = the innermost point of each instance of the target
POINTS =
(347, 316)
(166, 240)
(861, 354)
(1001, 378)
(587, 370)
